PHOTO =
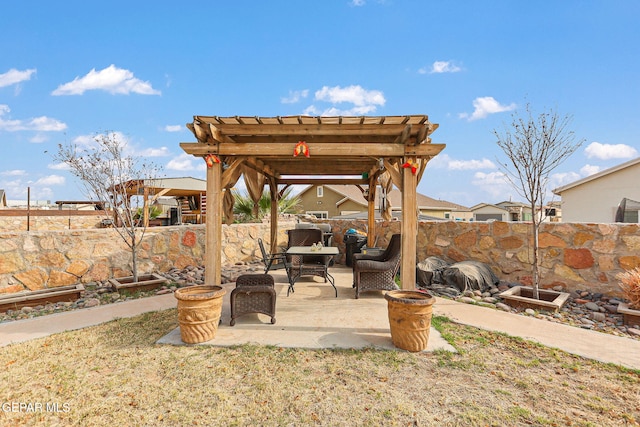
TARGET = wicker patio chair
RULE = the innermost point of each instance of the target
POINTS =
(377, 272)
(307, 265)
(274, 261)
(254, 293)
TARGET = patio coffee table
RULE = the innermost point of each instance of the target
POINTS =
(294, 272)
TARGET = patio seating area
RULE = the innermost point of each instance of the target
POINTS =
(312, 317)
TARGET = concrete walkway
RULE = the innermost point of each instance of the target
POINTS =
(313, 318)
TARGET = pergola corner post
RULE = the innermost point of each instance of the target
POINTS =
(273, 191)
(409, 227)
(371, 215)
(213, 229)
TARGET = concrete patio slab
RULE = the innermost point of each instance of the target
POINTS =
(312, 317)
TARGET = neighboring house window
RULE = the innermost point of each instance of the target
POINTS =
(319, 214)
(447, 216)
(319, 191)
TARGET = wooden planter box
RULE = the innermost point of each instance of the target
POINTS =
(522, 297)
(146, 282)
(630, 316)
(41, 297)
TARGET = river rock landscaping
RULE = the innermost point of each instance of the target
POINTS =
(584, 309)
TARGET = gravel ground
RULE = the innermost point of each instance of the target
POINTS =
(583, 309)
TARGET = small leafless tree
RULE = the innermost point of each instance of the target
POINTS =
(111, 176)
(534, 147)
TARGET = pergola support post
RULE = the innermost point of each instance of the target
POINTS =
(409, 227)
(371, 215)
(273, 191)
(213, 230)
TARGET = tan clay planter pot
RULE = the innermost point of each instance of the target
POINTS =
(199, 310)
(410, 318)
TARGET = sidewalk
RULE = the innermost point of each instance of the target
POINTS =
(313, 318)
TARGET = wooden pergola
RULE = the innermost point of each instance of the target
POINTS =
(283, 151)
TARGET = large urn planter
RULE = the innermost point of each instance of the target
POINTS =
(199, 310)
(410, 318)
(630, 316)
(145, 282)
(522, 297)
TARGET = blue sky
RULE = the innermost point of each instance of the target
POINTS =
(72, 69)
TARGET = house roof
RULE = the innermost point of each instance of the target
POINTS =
(172, 187)
(595, 176)
(353, 193)
(487, 205)
(396, 215)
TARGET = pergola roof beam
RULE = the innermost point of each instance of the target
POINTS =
(316, 149)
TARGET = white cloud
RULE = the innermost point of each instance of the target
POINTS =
(45, 124)
(153, 152)
(14, 76)
(471, 164)
(129, 148)
(610, 151)
(562, 178)
(441, 161)
(587, 170)
(358, 2)
(439, 67)
(354, 94)
(40, 189)
(173, 128)
(496, 184)
(485, 106)
(444, 161)
(50, 180)
(364, 101)
(295, 96)
(39, 138)
(42, 123)
(111, 79)
(58, 166)
(14, 172)
(186, 162)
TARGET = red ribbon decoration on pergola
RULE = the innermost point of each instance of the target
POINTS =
(410, 164)
(301, 148)
(210, 159)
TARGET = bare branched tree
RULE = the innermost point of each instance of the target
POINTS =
(110, 176)
(534, 147)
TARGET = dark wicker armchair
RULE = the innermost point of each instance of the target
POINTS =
(254, 293)
(377, 272)
(306, 265)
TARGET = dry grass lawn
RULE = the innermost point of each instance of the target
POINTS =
(115, 375)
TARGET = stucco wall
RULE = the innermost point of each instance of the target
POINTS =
(597, 200)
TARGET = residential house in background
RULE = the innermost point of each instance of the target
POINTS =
(331, 201)
(512, 212)
(489, 212)
(597, 197)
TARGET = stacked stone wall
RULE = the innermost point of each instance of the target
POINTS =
(47, 259)
(48, 220)
(572, 256)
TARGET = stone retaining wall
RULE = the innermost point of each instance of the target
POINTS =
(574, 256)
(12, 220)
